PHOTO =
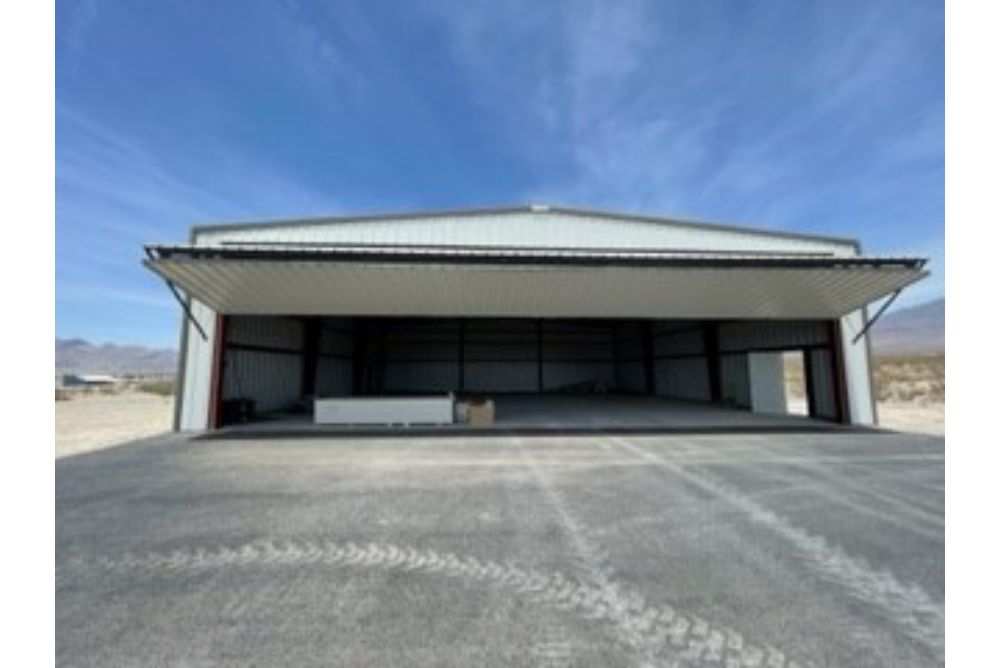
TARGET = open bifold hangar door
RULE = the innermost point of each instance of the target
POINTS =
(288, 321)
(525, 282)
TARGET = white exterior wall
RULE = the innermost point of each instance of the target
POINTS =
(194, 392)
(857, 370)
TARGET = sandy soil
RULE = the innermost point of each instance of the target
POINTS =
(924, 418)
(910, 390)
(92, 422)
(909, 416)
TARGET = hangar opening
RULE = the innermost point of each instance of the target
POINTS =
(562, 317)
(277, 365)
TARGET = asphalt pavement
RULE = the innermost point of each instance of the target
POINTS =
(822, 549)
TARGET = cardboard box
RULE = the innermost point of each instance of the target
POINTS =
(481, 413)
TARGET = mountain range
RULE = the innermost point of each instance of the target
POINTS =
(918, 330)
(80, 356)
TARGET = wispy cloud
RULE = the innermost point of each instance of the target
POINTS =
(766, 99)
(92, 294)
(822, 117)
(81, 20)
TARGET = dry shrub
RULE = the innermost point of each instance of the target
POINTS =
(163, 388)
(910, 379)
(903, 379)
(63, 395)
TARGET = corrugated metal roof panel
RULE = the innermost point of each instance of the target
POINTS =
(521, 226)
(722, 288)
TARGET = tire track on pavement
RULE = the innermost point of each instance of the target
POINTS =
(907, 606)
(550, 645)
(694, 639)
(788, 482)
(651, 630)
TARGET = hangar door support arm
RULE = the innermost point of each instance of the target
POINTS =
(180, 300)
(187, 310)
(878, 314)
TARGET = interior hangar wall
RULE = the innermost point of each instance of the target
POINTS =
(495, 355)
(688, 354)
(334, 357)
(264, 361)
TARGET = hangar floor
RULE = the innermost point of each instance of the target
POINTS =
(566, 414)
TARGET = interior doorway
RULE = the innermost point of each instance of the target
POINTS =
(796, 389)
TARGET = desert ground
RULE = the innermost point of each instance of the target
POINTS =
(909, 390)
(92, 421)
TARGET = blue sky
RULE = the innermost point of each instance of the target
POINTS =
(820, 117)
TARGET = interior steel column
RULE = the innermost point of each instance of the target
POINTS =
(711, 333)
(310, 355)
(649, 357)
(807, 363)
(839, 377)
(461, 355)
(359, 355)
(541, 378)
(218, 368)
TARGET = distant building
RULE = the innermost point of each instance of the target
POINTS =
(88, 380)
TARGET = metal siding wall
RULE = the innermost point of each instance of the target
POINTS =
(856, 370)
(821, 371)
(683, 378)
(336, 336)
(501, 377)
(687, 341)
(273, 332)
(420, 356)
(501, 356)
(735, 378)
(421, 376)
(560, 375)
(630, 377)
(743, 336)
(334, 374)
(629, 351)
(197, 370)
(333, 377)
(576, 354)
(272, 378)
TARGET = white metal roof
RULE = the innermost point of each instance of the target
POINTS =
(526, 282)
(532, 226)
